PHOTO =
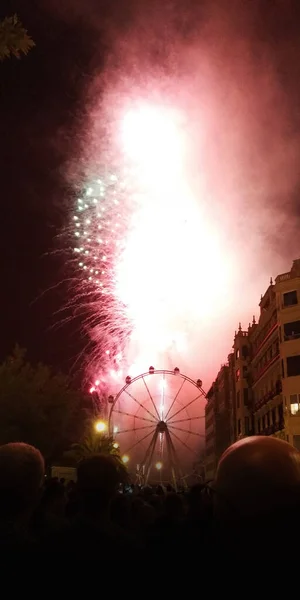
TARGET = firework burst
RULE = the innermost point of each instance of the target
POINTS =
(98, 227)
(140, 233)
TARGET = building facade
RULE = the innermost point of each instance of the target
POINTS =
(263, 374)
(287, 287)
(218, 419)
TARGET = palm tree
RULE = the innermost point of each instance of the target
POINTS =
(95, 443)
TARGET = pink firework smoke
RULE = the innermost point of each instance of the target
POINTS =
(195, 131)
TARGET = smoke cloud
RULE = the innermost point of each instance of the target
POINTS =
(232, 69)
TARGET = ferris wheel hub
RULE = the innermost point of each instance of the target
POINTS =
(162, 427)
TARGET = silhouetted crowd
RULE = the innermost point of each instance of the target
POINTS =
(123, 534)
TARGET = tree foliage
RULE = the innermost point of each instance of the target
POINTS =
(14, 39)
(96, 443)
(38, 406)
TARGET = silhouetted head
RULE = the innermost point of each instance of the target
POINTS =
(174, 507)
(21, 479)
(257, 476)
(54, 498)
(120, 510)
(97, 480)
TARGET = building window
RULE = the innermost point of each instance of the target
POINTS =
(244, 372)
(239, 427)
(237, 353)
(237, 375)
(282, 368)
(293, 366)
(294, 404)
(258, 425)
(290, 298)
(245, 351)
(291, 330)
(246, 396)
(238, 399)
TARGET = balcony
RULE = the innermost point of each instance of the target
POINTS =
(271, 429)
(266, 367)
(266, 337)
(269, 396)
(293, 336)
(283, 277)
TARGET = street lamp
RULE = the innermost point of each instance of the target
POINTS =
(125, 459)
(100, 426)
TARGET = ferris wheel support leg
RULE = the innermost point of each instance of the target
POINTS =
(172, 459)
(175, 460)
(149, 455)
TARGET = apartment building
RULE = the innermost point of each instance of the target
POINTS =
(275, 363)
(287, 287)
(263, 374)
(266, 370)
(218, 420)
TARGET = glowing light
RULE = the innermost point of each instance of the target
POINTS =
(159, 466)
(100, 426)
(152, 139)
(125, 459)
(116, 445)
(148, 287)
(157, 281)
(116, 429)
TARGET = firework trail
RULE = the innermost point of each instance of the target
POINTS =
(99, 226)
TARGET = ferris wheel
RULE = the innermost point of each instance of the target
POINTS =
(157, 419)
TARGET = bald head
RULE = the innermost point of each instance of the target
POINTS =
(256, 474)
(21, 477)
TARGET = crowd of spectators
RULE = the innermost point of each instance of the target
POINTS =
(249, 513)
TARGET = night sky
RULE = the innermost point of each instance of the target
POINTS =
(42, 111)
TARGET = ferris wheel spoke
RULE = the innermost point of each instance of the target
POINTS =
(186, 419)
(142, 406)
(186, 431)
(140, 440)
(127, 414)
(171, 406)
(149, 454)
(184, 444)
(150, 396)
(185, 407)
(133, 429)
